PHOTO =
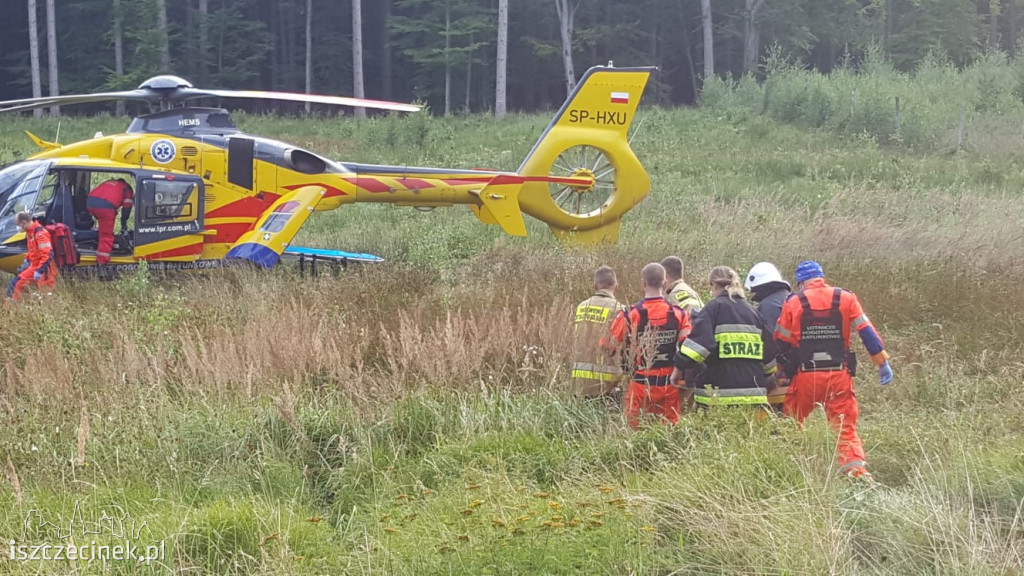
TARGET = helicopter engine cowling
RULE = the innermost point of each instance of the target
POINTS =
(305, 162)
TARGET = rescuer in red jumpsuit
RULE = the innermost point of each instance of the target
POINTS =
(650, 331)
(103, 203)
(39, 266)
(813, 339)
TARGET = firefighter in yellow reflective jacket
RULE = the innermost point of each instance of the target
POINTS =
(730, 347)
(594, 372)
(677, 291)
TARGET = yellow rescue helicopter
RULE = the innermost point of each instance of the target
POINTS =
(207, 194)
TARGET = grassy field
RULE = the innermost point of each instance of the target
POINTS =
(412, 417)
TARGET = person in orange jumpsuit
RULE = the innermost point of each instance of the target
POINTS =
(103, 204)
(39, 266)
(649, 334)
(813, 340)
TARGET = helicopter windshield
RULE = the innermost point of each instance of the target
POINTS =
(20, 185)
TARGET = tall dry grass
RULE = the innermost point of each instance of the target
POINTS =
(305, 340)
(501, 318)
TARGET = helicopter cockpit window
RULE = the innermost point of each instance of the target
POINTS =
(15, 175)
(46, 192)
(220, 120)
(167, 201)
(20, 187)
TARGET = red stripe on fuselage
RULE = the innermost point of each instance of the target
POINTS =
(190, 250)
(249, 207)
(464, 181)
(227, 233)
(415, 183)
(331, 190)
(371, 185)
(568, 181)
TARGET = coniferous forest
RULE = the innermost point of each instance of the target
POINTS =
(444, 52)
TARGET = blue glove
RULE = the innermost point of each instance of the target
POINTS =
(37, 275)
(884, 374)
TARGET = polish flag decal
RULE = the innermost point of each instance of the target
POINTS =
(620, 97)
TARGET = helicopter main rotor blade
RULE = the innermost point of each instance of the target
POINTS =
(33, 106)
(43, 102)
(296, 97)
(174, 89)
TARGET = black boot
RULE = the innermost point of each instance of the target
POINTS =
(104, 273)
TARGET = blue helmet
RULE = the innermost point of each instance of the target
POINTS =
(807, 270)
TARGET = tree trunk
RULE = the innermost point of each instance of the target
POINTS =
(500, 88)
(191, 39)
(385, 67)
(275, 51)
(357, 55)
(118, 52)
(309, 50)
(566, 13)
(1011, 15)
(752, 35)
(165, 44)
(688, 43)
(220, 53)
(656, 52)
(447, 62)
(204, 35)
(887, 32)
(709, 43)
(51, 52)
(289, 59)
(993, 24)
(293, 48)
(469, 75)
(33, 46)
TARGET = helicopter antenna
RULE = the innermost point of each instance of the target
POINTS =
(57, 137)
(636, 131)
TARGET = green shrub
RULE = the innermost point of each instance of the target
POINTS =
(862, 101)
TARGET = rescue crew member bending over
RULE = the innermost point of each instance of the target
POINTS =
(678, 291)
(648, 335)
(769, 291)
(813, 336)
(103, 203)
(39, 266)
(730, 339)
(595, 373)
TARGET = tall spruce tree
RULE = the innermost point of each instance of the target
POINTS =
(438, 37)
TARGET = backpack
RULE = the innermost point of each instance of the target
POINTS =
(64, 252)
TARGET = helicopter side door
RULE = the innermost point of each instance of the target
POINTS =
(169, 217)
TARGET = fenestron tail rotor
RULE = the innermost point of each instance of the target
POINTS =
(591, 176)
(589, 163)
(169, 90)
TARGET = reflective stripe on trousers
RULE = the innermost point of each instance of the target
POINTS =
(596, 372)
(730, 397)
(853, 467)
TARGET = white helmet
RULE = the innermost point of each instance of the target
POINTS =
(763, 273)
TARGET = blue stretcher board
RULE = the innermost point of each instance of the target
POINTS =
(330, 255)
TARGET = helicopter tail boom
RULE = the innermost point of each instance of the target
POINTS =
(580, 178)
